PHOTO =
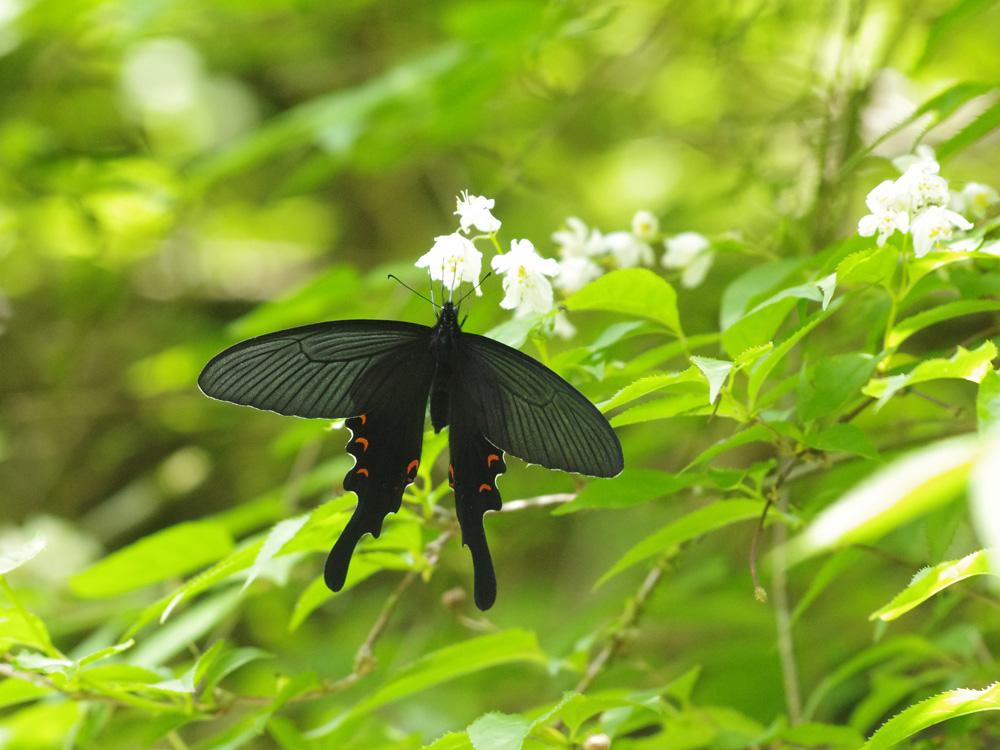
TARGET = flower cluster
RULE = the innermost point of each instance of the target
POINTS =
(916, 202)
(586, 253)
(454, 259)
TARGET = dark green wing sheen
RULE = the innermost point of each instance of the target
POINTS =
(530, 412)
(322, 371)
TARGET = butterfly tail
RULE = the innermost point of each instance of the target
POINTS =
(361, 523)
(475, 466)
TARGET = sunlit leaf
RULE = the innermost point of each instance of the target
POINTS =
(715, 371)
(876, 265)
(935, 710)
(931, 581)
(633, 291)
(15, 558)
(908, 487)
(497, 731)
(969, 365)
(909, 326)
(165, 554)
(650, 384)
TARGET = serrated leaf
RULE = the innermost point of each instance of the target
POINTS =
(933, 711)
(967, 365)
(451, 741)
(931, 581)
(633, 291)
(670, 406)
(282, 533)
(497, 731)
(982, 125)
(634, 487)
(757, 433)
(650, 384)
(694, 524)
(988, 402)
(749, 286)
(908, 487)
(876, 265)
(157, 557)
(756, 328)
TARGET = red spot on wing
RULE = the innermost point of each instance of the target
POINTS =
(491, 458)
(484, 487)
(362, 471)
(412, 468)
(363, 441)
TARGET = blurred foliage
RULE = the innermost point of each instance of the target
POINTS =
(178, 175)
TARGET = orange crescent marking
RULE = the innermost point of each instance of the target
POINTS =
(484, 487)
(363, 471)
(492, 457)
(363, 441)
(412, 467)
(451, 471)
(362, 418)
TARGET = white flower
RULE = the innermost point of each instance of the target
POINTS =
(977, 199)
(917, 189)
(629, 251)
(689, 251)
(575, 273)
(645, 226)
(474, 211)
(887, 214)
(524, 283)
(923, 158)
(452, 260)
(933, 226)
(577, 241)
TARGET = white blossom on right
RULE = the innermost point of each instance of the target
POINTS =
(886, 216)
(933, 226)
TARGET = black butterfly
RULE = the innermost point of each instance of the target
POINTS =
(378, 374)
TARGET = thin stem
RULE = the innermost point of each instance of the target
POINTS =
(786, 647)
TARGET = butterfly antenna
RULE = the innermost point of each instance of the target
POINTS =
(481, 281)
(396, 279)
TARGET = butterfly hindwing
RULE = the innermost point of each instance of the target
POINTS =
(325, 370)
(532, 413)
(475, 465)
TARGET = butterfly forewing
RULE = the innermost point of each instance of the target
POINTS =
(326, 370)
(532, 413)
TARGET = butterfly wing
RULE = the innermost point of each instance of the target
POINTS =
(375, 373)
(475, 465)
(530, 412)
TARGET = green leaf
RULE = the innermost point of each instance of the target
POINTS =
(473, 655)
(832, 568)
(988, 402)
(825, 736)
(768, 363)
(451, 741)
(832, 383)
(752, 284)
(935, 710)
(702, 521)
(282, 533)
(844, 437)
(632, 487)
(13, 692)
(968, 365)
(908, 487)
(497, 731)
(650, 384)
(228, 663)
(756, 328)
(670, 406)
(165, 554)
(909, 326)
(757, 433)
(15, 558)
(19, 626)
(930, 581)
(633, 291)
(876, 265)
(715, 371)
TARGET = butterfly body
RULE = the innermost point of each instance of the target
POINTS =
(380, 376)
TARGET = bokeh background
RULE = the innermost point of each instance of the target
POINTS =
(178, 174)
